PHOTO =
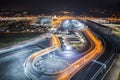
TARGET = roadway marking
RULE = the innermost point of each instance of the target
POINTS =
(98, 62)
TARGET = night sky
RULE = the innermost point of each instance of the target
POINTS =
(51, 4)
(70, 5)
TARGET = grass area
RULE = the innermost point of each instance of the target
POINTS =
(11, 39)
(119, 76)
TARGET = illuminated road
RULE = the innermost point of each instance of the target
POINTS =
(55, 43)
(11, 66)
(85, 59)
(108, 56)
(30, 54)
(92, 53)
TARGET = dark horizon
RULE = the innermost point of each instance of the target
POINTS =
(59, 4)
(77, 7)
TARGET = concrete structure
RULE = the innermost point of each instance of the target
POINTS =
(44, 21)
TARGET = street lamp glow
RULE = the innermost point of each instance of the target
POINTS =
(68, 47)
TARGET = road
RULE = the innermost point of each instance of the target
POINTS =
(91, 53)
(94, 51)
(79, 64)
(11, 66)
(97, 71)
(110, 50)
(28, 67)
(84, 68)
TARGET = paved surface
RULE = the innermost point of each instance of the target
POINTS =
(11, 67)
(114, 72)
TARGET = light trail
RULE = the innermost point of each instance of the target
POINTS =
(70, 71)
(67, 73)
(73, 68)
(55, 43)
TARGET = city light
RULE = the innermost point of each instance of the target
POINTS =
(59, 40)
(69, 54)
(68, 47)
